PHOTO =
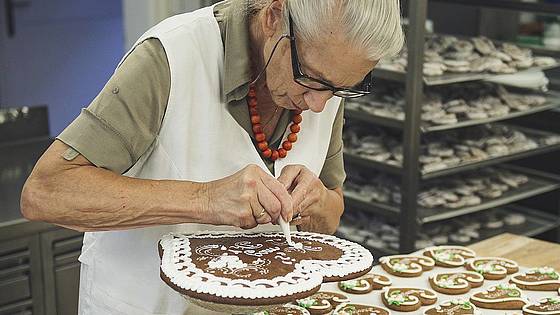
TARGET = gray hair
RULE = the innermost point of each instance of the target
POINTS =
(371, 25)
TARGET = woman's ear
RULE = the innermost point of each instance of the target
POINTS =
(273, 18)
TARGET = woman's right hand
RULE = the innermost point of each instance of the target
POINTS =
(248, 198)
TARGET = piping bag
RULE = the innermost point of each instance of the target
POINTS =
(287, 233)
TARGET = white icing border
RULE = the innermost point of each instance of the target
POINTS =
(503, 300)
(466, 282)
(354, 259)
(449, 302)
(341, 306)
(426, 293)
(501, 269)
(471, 254)
(533, 283)
(541, 301)
(423, 261)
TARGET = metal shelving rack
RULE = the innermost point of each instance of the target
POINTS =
(409, 216)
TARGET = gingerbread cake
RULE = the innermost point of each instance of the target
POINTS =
(257, 269)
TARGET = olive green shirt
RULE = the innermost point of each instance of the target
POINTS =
(121, 123)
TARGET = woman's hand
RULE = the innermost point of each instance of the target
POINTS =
(247, 198)
(316, 208)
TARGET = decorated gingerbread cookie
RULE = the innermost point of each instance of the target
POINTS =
(407, 299)
(257, 269)
(538, 279)
(406, 265)
(322, 302)
(501, 297)
(360, 309)
(492, 268)
(364, 284)
(453, 307)
(455, 282)
(449, 256)
(284, 310)
(545, 306)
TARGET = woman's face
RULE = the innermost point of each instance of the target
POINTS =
(329, 59)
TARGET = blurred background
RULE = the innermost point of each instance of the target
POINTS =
(56, 55)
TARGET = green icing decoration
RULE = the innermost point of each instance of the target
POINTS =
(514, 293)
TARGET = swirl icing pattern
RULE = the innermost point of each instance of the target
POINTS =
(545, 306)
(456, 282)
(492, 268)
(257, 268)
(407, 299)
(502, 296)
(406, 265)
(539, 279)
(360, 309)
(453, 307)
(449, 256)
(365, 284)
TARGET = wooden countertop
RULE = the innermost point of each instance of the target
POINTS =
(527, 252)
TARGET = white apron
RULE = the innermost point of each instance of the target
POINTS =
(199, 141)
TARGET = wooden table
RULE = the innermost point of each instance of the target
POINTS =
(527, 252)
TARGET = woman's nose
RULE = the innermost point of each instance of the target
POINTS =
(316, 100)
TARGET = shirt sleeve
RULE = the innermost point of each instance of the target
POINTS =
(333, 174)
(123, 120)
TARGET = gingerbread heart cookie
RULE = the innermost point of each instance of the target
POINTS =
(492, 268)
(449, 256)
(364, 284)
(453, 307)
(537, 279)
(407, 299)
(455, 282)
(548, 306)
(287, 309)
(360, 309)
(406, 265)
(322, 302)
(257, 269)
(500, 297)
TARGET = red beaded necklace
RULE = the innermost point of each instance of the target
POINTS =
(267, 152)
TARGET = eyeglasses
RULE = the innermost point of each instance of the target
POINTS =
(304, 80)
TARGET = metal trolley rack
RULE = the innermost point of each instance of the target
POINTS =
(408, 214)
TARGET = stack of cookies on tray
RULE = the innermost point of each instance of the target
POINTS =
(437, 280)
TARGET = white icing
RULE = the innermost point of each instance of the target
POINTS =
(553, 309)
(407, 263)
(410, 294)
(493, 265)
(444, 307)
(357, 285)
(448, 254)
(341, 309)
(177, 265)
(537, 273)
(496, 290)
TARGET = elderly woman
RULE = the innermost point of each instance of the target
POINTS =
(228, 117)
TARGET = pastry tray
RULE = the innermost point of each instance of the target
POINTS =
(538, 183)
(374, 297)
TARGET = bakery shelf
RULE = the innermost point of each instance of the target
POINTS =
(355, 159)
(537, 222)
(539, 183)
(537, 7)
(448, 78)
(354, 201)
(358, 115)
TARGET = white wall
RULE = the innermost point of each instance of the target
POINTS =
(140, 15)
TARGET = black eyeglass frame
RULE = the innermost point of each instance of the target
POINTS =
(363, 88)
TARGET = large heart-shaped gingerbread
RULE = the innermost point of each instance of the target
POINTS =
(256, 269)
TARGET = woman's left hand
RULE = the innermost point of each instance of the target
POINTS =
(314, 209)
